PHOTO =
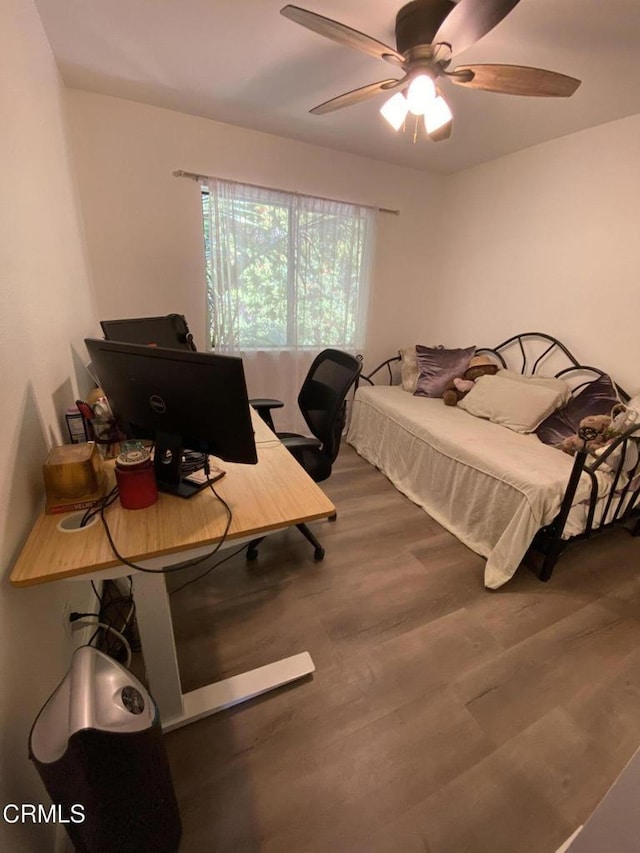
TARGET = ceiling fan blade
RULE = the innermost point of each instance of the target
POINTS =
(470, 20)
(355, 96)
(516, 80)
(441, 133)
(342, 34)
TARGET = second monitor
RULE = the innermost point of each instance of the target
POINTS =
(171, 331)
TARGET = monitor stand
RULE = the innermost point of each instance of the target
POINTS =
(167, 463)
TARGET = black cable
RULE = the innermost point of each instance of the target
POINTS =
(74, 616)
(178, 566)
(94, 509)
(109, 629)
(93, 636)
(192, 461)
(119, 620)
(210, 569)
(112, 615)
(97, 594)
(100, 504)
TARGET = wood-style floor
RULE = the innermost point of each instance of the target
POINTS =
(442, 717)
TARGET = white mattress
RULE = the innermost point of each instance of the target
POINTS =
(491, 487)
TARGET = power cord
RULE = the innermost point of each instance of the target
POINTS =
(83, 619)
(192, 461)
(210, 569)
(98, 507)
(178, 566)
(119, 612)
(112, 612)
(97, 594)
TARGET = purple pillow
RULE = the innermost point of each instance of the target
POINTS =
(438, 366)
(596, 398)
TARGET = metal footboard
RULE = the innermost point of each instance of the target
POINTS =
(622, 505)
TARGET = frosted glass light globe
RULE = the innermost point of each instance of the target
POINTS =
(420, 94)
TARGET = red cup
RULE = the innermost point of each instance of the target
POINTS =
(136, 479)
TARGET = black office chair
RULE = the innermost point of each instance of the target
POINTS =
(322, 402)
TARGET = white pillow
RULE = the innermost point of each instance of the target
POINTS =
(408, 368)
(520, 406)
(549, 381)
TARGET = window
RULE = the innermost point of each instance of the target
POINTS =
(284, 270)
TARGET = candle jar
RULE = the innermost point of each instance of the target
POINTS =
(135, 476)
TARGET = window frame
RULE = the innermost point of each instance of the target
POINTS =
(359, 312)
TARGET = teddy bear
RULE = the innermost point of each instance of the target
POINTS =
(480, 365)
(598, 432)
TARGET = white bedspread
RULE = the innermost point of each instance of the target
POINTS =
(491, 487)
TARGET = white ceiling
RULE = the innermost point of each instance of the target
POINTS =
(241, 62)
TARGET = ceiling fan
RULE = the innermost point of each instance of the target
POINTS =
(429, 33)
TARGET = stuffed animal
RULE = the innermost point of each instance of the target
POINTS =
(602, 432)
(480, 365)
(623, 417)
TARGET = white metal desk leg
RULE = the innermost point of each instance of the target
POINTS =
(158, 645)
(161, 662)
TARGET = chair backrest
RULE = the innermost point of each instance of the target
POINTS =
(322, 396)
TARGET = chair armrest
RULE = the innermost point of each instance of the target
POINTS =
(263, 406)
(262, 403)
(299, 442)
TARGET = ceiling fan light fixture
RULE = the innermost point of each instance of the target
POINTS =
(437, 115)
(429, 35)
(420, 94)
(395, 110)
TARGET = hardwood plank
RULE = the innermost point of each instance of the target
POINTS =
(547, 669)
(491, 807)
(442, 717)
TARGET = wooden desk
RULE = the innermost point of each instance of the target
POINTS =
(272, 495)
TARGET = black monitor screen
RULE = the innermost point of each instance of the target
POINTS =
(182, 400)
(170, 331)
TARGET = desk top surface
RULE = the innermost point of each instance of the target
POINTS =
(273, 494)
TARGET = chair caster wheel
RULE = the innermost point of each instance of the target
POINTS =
(252, 554)
(318, 554)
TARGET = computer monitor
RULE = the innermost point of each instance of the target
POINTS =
(171, 331)
(182, 400)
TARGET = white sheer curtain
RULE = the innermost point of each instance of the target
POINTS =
(288, 276)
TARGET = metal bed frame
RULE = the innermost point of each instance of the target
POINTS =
(621, 508)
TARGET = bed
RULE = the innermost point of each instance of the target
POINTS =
(500, 492)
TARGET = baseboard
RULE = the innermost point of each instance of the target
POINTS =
(567, 844)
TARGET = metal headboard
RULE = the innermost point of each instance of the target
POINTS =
(524, 359)
(551, 346)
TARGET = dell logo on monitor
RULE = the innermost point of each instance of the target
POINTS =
(158, 404)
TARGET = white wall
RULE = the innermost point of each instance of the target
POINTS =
(47, 309)
(144, 229)
(544, 239)
(548, 240)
